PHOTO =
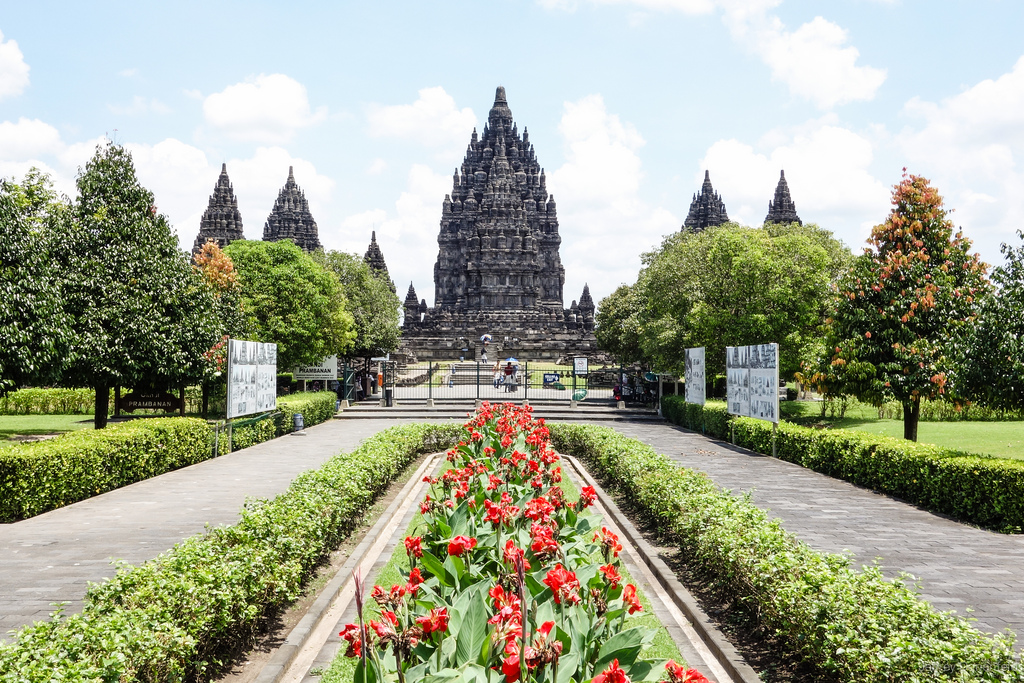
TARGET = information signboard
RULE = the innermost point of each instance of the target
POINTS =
(694, 363)
(579, 367)
(325, 369)
(752, 381)
(252, 377)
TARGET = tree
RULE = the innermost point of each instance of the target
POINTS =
(291, 300)
(903, 314)
(140, 314)
(374, 306)
(733, 285)
(218, 272)
(618, 325)
(34, 330)
(993, 360)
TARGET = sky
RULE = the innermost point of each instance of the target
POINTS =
(627, 103)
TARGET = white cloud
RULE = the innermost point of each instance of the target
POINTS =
(827, 169)
(604, 224)
(27, 139)
(970, 146)
(267, 108)
(140, 105)
(13, 69)
(376, 167)
(433, 120)
(128, 73)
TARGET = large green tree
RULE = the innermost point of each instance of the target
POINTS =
(34, 330)
(293, 301)
(903, 314)
(992, 363)
(618, 325)
(374, 306)
(732, 285)
(141, 315)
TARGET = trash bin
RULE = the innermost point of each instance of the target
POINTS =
(297, 422)
(389, 397)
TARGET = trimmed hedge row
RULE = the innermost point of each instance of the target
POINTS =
(853, 625)
(45, 475)
(49, 402)
(973, 488)
(178, 616)
(315, 407)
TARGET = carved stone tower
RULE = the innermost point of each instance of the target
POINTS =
(706, 209)
(498, 270)
(782, 209)
(291, 219)
(221, 221)
(374, 257)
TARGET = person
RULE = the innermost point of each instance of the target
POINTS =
(509, 379)
(497, 373)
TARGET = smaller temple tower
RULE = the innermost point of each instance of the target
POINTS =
(291, 219)
(374, 258)
(411, 308)
(782, 209)
(706, 209)
(221, 221)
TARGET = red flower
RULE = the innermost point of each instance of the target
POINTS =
(611, 575)
(435, 621)
(677, 674)
(415, 579)
(510, 667)
(609, 542)
(539, 509)
(613, 674)
(564, 585)
(588, 496)
(414, 545)
(355, 643)
(512, 553)
(543, 541)
(460, 544)
(629, 598)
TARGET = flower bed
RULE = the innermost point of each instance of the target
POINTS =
(972, 488)
(179, 617)
(852, 625)
(509, 580)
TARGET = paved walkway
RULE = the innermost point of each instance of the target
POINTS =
(959, 566)
(51, 558)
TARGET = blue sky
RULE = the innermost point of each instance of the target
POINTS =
(627, 102)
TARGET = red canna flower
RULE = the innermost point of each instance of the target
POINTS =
(588, 496)
(415, 579)
(435, 621)
(460, 544)
(414, 546)
(629, 598)
(677, 674)
(609, 542)
(564, 585)
(613, 674)
(611, 575)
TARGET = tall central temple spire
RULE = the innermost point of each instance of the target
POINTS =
(291, 219)
(706, 209)
(498, 269)
(221, 221)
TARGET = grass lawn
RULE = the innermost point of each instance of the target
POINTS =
(999, 439)
(13, 425)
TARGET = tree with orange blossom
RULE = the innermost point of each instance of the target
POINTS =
(906, 308)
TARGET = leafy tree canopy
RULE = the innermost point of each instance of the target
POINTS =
(221, 277)
(374, 306)
(903, 314)
(290, 299)
(733, 285)
(34, 330)
(618, 325)
(140, 313)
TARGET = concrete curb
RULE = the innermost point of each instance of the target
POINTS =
(279, 664)
(724, 651)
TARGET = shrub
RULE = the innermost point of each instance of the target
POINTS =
(315, 407)
(973, 488)
(45, 475)
(178, 616)
(852, 625)
(49, 402)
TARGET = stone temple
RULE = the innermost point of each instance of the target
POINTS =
(782, 209)
(221, 221)
(498, 268)
(374, 258)
(706, 209)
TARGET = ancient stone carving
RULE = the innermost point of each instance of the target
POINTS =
(782, 209)
(221, 222)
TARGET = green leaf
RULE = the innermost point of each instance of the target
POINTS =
(624, 646)
(472, 632)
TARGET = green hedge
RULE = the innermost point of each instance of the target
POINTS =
(49, 402)
(180, 616)
(316, 407)
(852, 625)
(973, 488)
(45, 475)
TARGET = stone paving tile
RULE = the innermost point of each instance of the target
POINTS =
(51, 557)
(957, 566)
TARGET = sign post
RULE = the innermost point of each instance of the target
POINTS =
(252, 379)
(752, 383)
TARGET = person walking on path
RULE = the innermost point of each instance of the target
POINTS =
(510, 377)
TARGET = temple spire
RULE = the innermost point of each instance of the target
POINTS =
(290, 218)
(706, 209)
(221, 222)
(782, 209)
(374, 257)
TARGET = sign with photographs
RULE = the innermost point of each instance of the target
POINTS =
(694, 376)
(252, 377)
(326, 369)
(752, 381)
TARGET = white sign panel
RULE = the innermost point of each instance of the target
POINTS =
(326, 369)
(579, 367)
(694, 377)
(252, 377)
(752, 381)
